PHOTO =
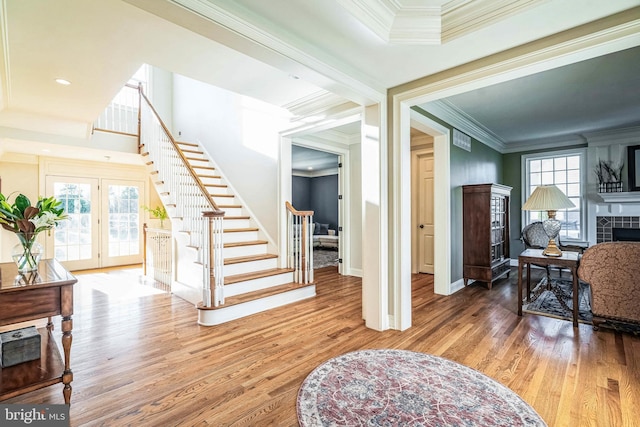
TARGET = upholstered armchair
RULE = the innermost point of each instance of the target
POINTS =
(612, 270)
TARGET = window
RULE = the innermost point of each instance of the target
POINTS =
(565, 170)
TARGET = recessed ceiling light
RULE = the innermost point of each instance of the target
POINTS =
(310, 168)
(63, 82)
(294, 77)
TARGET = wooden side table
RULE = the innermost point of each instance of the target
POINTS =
(32, 296)
(569, 260)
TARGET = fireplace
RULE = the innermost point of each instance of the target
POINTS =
(626, 234)
(612, 228)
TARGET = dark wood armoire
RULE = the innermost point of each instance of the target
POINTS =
(485, 232)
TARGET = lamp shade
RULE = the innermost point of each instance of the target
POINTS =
(547, 198)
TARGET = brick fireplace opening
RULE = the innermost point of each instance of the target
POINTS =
(624, 227)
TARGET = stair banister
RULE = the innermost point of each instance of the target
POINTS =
(300, 244)
(192, 199)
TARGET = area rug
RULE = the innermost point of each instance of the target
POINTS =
(549, 303)
(324, 258)
(546, 303)
(405, 388)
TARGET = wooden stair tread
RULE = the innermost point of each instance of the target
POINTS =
(247, 243)
(191, 144)
(210, 176)
(255, 275)
(248, 258)
(203, 167)
(230, 206)
(198, 159)
(239, 230)
(250, 296)
(186, 150)
(231, 218)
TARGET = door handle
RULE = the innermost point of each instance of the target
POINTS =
(421, 225)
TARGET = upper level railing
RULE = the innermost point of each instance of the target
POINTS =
(300, 244)
(121, 115)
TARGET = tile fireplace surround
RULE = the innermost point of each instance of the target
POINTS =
(606, 224)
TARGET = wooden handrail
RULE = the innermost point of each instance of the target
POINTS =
(294, 211)
(196, 178)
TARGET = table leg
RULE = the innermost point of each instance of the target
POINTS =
(519, 288)
(67, 375)
(528, 282)
(576, 302)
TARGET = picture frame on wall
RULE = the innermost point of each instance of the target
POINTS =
(633, 159)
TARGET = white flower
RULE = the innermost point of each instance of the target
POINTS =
(45, 220)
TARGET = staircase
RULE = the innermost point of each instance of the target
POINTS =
(252, 282)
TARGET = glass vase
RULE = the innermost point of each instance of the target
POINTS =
(27, 255)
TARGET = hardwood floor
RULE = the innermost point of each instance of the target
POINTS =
(140, 359)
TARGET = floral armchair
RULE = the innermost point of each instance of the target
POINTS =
(612, 270)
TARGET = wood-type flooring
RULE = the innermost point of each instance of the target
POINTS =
(140, 359)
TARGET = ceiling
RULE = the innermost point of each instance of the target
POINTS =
(309, 161)
(302, 55)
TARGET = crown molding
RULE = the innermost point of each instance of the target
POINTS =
(431, 22)
(236, 19)
(551, 143)
(628, 135)
(457, 118)
(318, 106)
(5, 87)
(461, 17)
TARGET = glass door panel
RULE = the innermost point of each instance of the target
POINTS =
(122, 202)
(75, 242)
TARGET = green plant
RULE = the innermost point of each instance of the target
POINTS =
(159, 212)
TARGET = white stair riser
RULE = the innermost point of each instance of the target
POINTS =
(233, 224)
(216, 317)
(231, 211)
(248, 250)
(225, 200)
(218, 190)
(250, 266)
(267, 282)
(239, 236)
(206, 180)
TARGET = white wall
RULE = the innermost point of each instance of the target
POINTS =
(242, 136)
(355, 196)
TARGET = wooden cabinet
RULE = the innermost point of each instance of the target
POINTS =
(485, 232)
(31, 296)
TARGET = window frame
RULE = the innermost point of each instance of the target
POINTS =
(526, 179)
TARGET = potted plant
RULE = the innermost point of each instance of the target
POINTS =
(27, 222)
(159, 212)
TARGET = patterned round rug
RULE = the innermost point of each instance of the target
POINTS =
(405, 388)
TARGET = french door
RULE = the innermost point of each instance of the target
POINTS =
(104, 227)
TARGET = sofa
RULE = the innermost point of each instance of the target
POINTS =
(324, 237)
(612, 270)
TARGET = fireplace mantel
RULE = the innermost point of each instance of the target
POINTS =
(621, 197)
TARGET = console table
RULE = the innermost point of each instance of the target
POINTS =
(32, 296)
(569, 260)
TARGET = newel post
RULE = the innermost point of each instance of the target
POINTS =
(212, 260)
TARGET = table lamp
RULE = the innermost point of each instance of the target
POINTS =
(549, 198)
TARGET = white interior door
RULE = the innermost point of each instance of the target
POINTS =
(425, 213)
(122, 222)
(76, 242)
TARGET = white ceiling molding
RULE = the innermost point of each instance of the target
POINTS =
(626, 136)
(5, 88)
(318, 106)
(446, 111)
(461, 17)
(552, 143)
(431, 21)
(316, 71)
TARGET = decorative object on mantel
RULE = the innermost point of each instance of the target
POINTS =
(609, 176)
(27, 222)
(633, 156)
(549, 198)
